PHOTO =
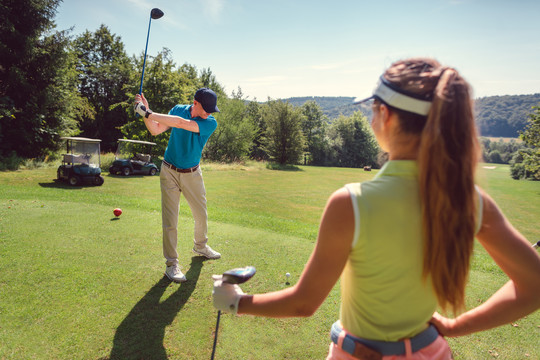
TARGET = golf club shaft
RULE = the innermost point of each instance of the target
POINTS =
(233, 276)
(216, 334)
(145, 50)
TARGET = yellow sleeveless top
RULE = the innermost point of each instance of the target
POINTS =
(383, 296)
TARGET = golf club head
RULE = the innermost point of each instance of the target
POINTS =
(536, 245)
(156, 13)
(238, 275)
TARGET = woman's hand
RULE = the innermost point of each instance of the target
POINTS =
(444, 325)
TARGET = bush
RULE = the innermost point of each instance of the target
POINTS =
(518, 171)
(11, 162)
(495, 157)
(518, 168)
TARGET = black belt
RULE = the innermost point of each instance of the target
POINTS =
(172, 167)
(386, 348)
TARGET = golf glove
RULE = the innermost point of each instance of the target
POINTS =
(142, 110)
(226, 296)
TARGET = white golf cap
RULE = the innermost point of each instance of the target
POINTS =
(397, 98)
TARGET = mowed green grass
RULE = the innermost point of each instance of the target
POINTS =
(76, 283)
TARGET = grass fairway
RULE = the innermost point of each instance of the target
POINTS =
(77, 283)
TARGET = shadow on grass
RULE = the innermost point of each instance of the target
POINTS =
(132, 176)
(141, 333)
(285, 167)
(62, 185)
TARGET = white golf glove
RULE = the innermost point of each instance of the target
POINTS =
(226, 296)
(142, 110)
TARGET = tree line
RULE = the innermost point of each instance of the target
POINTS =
(495, 116)
(54, 84)
(504, 116)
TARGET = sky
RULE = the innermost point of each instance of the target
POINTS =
(292, 48)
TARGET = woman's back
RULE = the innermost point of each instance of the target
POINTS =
(383, 294)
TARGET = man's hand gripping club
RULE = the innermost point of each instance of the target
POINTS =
(141, 106)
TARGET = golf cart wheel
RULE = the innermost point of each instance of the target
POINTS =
(58, 174)
(74, 180)
(98, 180)
(126, 171)
(152, 172)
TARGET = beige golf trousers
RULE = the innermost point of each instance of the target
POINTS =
(192, 186)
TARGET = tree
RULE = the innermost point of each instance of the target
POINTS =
(517, 168)
(352, 142)
(254, 112)
(236, 130)
(104, 69)
(208, 80)
(531, 136)
(38, 101)
(314, 125)
(283, 140)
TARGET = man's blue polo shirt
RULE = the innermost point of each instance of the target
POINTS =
(185, 147)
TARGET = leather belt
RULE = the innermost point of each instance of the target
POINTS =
(385, 348)
(183, 171)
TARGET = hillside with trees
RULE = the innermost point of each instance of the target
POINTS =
(496, 116)
(504, 116)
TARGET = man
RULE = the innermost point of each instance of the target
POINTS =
(191, 126)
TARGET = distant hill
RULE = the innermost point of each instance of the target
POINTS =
(496, 116)
(332, 107)
(504, 116)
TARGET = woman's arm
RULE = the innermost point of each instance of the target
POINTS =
(321, 272)
(516, 257)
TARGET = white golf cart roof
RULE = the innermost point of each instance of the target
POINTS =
(80, 139)
(138, 142)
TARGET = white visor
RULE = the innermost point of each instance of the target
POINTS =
(393, 97)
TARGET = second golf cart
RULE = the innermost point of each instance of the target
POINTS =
(133, 158)
(82, 162)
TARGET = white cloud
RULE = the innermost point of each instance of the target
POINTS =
(331, 66)
(141, 4)
(213, 8)
(265, 80)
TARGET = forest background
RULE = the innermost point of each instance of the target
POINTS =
(55, 84)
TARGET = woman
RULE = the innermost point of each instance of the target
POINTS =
(404, 240)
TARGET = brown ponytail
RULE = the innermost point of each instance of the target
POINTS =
(447, 158)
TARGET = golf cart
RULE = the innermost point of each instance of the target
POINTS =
(82, 162)
(133, 158)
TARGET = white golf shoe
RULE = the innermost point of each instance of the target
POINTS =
(207, 252)
(174, 273)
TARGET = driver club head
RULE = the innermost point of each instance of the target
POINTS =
(238, 275)
(156, 13)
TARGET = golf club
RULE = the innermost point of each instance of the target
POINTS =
(233, 276)
(154, 14)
